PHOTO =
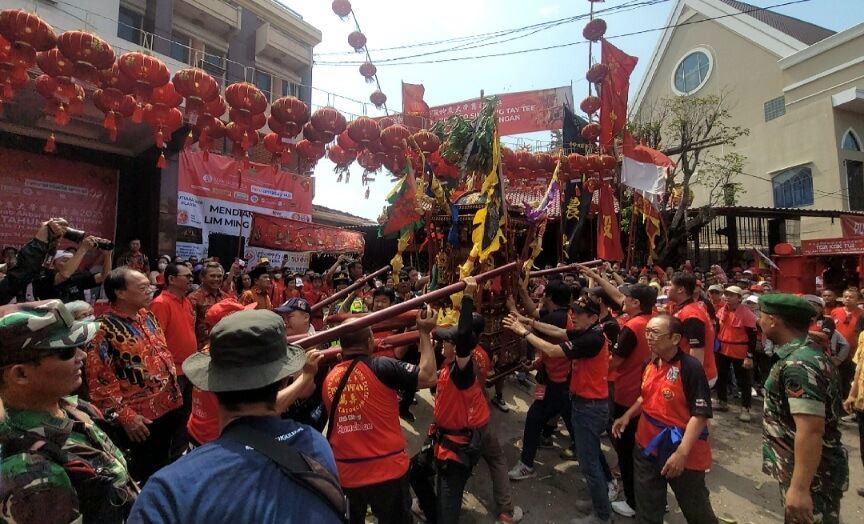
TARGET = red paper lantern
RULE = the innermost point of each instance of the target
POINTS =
(290, 110)
(215, 107)
(250, 121)
(597, 73)
(145, 73)
(208, 128)
(368, 70)
(278, 147)
(243, 137)
(197, 87)
(164, 119)
(27, 34)
(342, 8)
(594, 30)
(393, 137)
(523, 159)
(64, 97)
(116, 106)
(363, 131)
(53, 63)
(287, 131)
(427, 141)
(309, 154)
(357, 40)
(590, 104)
(111, 78)
(378, 98)
(166, 96)
(544, 163)
(592, 184)
(578, 163)
(608, 162)
(346, 142)
(88, 52)
(311, 134)
(370, 161)
(341, 157)
(396, 162)
(328, 120)
(385, 122)
(595, 164)
(591, 131)
(245, 97)
(509, 158)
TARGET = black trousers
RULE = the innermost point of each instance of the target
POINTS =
(624, 448)
(689, 488)
(390, 501)
(555, 402)
(742, 377)
(847, 372)
(860, 417)
(166, 443)
(406, 398)
(443, 502)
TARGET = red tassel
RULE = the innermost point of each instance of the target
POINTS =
(138, 115)
(245, 161)
(51, 144)
(110, 121)
(161, 162)
(62, 116)
(205, 154)
(246, 142)
(160, 139)
(19, 74)
(112, 134)
(189, 140)
(8, 91)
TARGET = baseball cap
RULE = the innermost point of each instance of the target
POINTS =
(645, 294)
(716, 287)
(752, 299)
(734, 290)
(248, 350)
(813, 299)
(586, 306)
(294, 304)
(35, 331)
(223, 308)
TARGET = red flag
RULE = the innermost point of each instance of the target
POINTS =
(613, 92)
(608, 231)
(402, 212)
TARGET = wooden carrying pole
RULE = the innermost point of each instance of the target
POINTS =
(564, 269)
(396, 309)
(347, 291)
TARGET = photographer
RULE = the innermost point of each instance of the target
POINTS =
(28, 262)
(64, 281)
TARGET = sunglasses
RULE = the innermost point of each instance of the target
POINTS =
(61, 354)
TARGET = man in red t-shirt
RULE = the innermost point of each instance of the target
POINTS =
(737, 337)
(363, 428)
(672, 435)
(847, 320)
(698, 328)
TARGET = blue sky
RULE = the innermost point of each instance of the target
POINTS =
(390, 23)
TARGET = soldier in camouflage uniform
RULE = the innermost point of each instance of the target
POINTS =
(57, 465)
(802, 414)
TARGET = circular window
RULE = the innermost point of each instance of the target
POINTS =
(692, 72)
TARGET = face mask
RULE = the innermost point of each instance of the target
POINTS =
(278, 276)
(162, 266)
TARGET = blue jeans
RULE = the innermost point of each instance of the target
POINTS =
(589, 421)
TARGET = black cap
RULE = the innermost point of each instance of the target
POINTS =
(449, 333)
(586, 306)
(257, 272)
(601, 293)
(646, 295)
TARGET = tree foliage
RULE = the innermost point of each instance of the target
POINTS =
(697, 134)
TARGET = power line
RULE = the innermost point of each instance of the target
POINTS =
(568, 44)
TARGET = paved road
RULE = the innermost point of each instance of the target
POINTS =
(740, 493)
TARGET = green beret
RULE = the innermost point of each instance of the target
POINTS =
(786, 306)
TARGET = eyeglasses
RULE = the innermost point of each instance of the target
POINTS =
(64, 353)
(654, 334)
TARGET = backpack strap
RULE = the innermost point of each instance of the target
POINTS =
(302, 469)
(338, 395)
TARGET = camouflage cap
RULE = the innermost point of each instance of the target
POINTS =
(35, 331)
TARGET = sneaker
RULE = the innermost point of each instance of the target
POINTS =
(521, 472)
(614, 489)
(849, 418)
(415, 508)
(568, 454)
(622, 508)
(546, 443)
(499, 403)
(744, 416)
(510, 518)
(860, 492)
(406, 415)
(722, 406)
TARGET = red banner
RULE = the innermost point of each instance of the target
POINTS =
(34, 188)
(613, 93)
(833, 246)
(293, 235)
(523, 112)
(853, 226)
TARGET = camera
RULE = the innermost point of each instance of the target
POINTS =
(77, 235)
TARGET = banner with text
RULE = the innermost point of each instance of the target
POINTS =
(853, 226)
(523, 112)
(292, 235)
(833, 246)
(34, 188)
(218, 196)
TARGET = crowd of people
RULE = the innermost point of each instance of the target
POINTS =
(193, 395)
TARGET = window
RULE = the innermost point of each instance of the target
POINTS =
(793, 188)
(290, 88)
(264, 82)
(775, 108)
(692, 72)
(213, 61)
(129, 25)
(850, 141)
(180, 46)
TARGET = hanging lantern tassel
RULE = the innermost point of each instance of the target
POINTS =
(347, 176)
(339, 178)
(8, 91)
(160, 139)
(138, 114)
(62, 116)
(246, 142)
(367, 192)
(205, 154)
(110, 123)
(50, 144)
(286, 155)
(245, 160)
(189, 138)
(161, 162)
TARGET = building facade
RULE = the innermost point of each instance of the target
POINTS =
(797, 87)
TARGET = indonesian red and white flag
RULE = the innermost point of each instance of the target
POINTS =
(644, 168)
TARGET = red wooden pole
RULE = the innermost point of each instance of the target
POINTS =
(347, 291)
(564, 269)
